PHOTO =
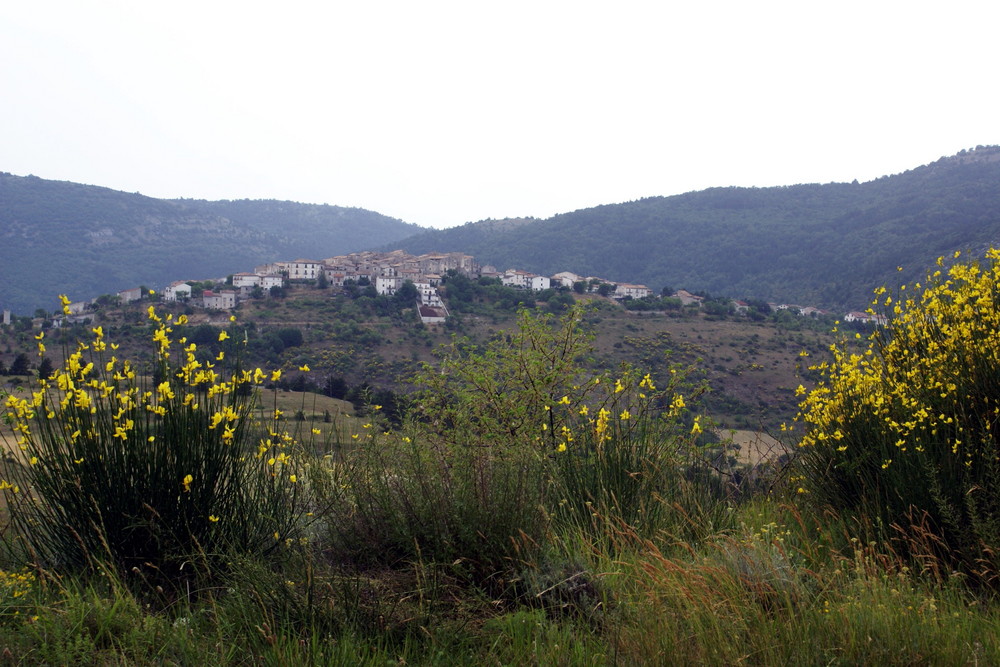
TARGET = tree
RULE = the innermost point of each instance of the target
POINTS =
(290, 336)
(321, 280)
(500, 394)
(335, 387)
(407, 294)
(560, 302)
(21, 365)
(45, 368)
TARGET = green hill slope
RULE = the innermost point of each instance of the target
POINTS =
(822, 244)
(59, 237)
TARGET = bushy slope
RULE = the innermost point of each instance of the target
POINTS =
(822, 244)
(59, 237)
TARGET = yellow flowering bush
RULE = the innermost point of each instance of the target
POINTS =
(149, 468)
(15, 594)
(905, 428)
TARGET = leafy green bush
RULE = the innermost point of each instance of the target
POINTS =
(503, 440)
(114, 467)
(906, 430)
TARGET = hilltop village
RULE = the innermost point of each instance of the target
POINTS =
(389, 272)
(385, 272)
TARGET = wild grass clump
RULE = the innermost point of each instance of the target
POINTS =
(624, 453)
(405, 498)
(905, 431)
(157, 478)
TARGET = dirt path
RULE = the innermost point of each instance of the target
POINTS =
(754, 447)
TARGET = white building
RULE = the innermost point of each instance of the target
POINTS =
(269, 281)
(303, 269)
(429, 295)
(538, 283)
(388, 284)
(625, 290)
(177, 291)
(130, 295)
(250, 280)
(566, 279)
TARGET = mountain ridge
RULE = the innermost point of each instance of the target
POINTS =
(828, 245)
(825, 244)
(85, 240)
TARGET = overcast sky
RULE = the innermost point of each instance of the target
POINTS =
(443, 112)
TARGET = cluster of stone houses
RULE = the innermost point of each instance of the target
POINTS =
(388, 271)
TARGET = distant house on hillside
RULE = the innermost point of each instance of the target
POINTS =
(387, 285)
(515, 278)
(625, 291)
(242, 280)
(866, 318)
(221, 300)
(539, 283)
(566, 279)
(429, 295)
(177, 291)
(303, 269)
(130, 295)
(525, 280)
(78, 307)
(687, 298)
(270, 280)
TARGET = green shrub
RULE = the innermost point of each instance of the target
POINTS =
(502, 440)
(905, 430)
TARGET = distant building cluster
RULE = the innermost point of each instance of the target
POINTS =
(386, 271)
(389, 271)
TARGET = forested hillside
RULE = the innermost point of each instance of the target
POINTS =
(59, 237)
(827, 245)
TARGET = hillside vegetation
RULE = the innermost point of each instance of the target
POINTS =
(531, 507)
(824, 245)
(376, 341)
(59, 237)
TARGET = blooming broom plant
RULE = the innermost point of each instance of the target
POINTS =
(110, 466)
(905, 430)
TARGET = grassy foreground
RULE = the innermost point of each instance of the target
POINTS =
(531, 510)
(751, 592)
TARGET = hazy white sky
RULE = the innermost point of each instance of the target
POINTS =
(442, 112)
